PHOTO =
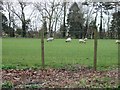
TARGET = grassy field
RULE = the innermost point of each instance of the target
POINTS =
(27, 53)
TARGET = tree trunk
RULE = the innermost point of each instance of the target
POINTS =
(11, 30)
(64, 27)
(56, 23)
(101, 31)
(23, 29)
(50, 28)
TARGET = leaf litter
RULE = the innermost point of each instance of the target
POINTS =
(80, 77)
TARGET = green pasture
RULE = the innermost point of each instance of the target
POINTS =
(23, 52)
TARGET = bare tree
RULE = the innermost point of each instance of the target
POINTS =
(21, 15)
(88, 17)
(58, 13)
(49, 10)
(53, 6)
(11, 21)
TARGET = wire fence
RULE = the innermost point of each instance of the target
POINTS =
(58, 53)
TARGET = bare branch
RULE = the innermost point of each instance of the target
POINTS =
(13, 10)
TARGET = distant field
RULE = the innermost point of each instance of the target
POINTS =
(27, 53)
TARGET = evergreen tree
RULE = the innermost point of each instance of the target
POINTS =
(75, 21)
(115, 27)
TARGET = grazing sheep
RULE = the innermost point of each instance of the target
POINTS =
(50, 39)
(82, 41)
(68, 40)
(85, 39)
(117, 41)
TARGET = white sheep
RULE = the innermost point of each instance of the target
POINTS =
(68, 40)
(50, 39)
(85, 39)
(117, 41)
(82, 41)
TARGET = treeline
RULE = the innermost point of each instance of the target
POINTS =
(63, 19)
